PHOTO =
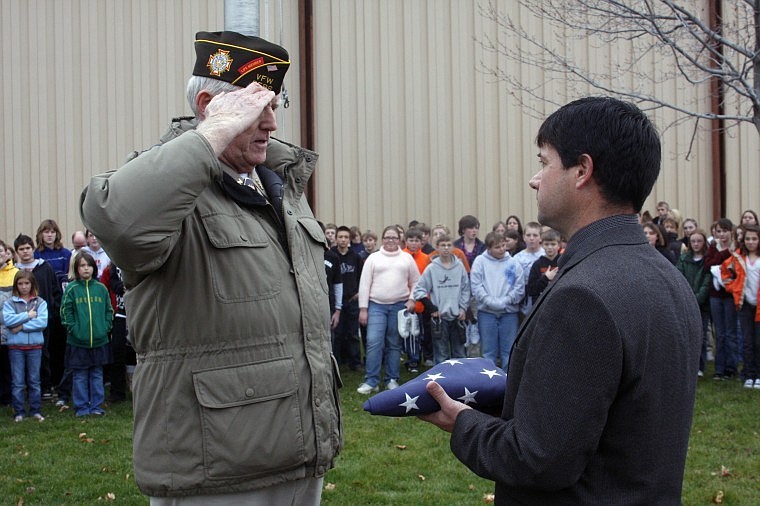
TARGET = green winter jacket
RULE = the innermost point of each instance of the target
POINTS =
(86, 313)
(699, 279)
(235, 387)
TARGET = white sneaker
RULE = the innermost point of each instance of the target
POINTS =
(39, 417)
(757, 383)
(391, 385)
(414, 331)
(366, 389)
(749, 383)
(404, 324)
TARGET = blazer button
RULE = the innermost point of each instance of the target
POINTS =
(290, 213)
(249, 392)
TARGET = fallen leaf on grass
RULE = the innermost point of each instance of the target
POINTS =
(401, 447)
(724, 471)
(718, 499)
(20, 501)
(421, 477)
(330, 486)
(63, 408)
(84, 439)
(488, 498)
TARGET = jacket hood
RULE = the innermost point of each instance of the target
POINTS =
(454, 262)
(506, 256)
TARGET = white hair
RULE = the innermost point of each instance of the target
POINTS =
(196, 84)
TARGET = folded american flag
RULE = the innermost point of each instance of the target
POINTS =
(476, 382)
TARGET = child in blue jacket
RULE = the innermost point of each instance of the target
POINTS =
(26, 316)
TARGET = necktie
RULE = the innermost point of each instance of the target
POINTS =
(254, 183)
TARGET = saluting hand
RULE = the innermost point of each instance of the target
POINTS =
(228, 115)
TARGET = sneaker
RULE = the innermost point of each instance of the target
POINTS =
(749, 384)
(700, 373)
(428, 363)
(404, 324)
(366, 389)
(60, 403)
(38, 417)
(718, 377)
(414, 330)
(97, 412)
(18, 418)
(391, 385)
(757, 383)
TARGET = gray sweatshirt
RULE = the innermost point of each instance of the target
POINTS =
(447, 286)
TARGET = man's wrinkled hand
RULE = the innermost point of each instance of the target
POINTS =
(227, 115)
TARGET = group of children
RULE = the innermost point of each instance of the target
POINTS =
(36, 294)
(488, 284)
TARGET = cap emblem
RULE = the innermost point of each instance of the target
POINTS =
(219, 62)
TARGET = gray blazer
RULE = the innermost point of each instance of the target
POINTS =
(600, 386)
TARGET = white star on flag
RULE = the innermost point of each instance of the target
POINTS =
(476, 377)
(410, 403)
(490, 373)
(468, 397)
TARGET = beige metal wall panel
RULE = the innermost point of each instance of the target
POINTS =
(409, 127)
(89, 81)
(407, 123)
(742, 172)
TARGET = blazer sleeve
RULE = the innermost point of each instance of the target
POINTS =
(556, 426)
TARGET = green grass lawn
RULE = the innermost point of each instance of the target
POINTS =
(66, 460)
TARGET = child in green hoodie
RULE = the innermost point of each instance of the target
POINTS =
(87, 314)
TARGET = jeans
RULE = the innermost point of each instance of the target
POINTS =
(751, 329)
(25, 374)
(497, 334)
(446, 343)
(383, 342)
(726, 338)
(87, 390)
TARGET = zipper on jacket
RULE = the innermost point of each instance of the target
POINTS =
(89, 306)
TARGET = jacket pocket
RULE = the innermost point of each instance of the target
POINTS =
(250, 419)
(241, 259)
(315, 244)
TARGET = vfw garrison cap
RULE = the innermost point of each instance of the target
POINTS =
(240, 59)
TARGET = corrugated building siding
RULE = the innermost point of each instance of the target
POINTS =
(407, 123)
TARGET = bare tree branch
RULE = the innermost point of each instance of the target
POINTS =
(648, 31)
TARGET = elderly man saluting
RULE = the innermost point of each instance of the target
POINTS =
(235, 392)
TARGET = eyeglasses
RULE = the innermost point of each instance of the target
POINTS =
(390, 238)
